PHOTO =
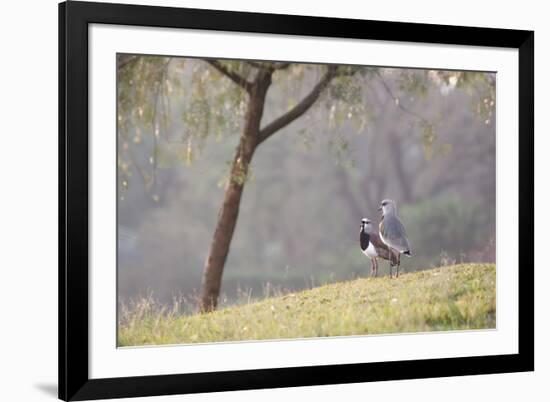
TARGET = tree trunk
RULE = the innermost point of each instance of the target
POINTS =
(229, 211)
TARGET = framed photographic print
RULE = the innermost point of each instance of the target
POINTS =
(258, 200)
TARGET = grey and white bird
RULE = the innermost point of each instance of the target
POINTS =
(373, 247)
(392, 231)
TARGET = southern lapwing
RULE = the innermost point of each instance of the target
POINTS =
(373, 247)
(392, 231)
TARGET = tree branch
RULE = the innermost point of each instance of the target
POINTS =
(233, 76)
(268, 66)
(348, 73)
(281, 65)
(397, 101)
(255, 64)
(299, 109)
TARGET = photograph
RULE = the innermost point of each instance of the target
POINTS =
(277, 200)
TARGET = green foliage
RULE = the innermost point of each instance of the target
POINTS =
(345, 89)
(414, 82)
(481, 86)
(139, 87)
(345, 100)
(340, 148)
(429, 136)
(151, 91)
(172, 105)
(142, 105)
(214, 105)
(240, 173)
(450, 298)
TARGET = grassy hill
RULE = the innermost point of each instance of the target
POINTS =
(448, 298)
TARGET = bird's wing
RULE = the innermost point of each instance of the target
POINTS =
(394, 234)
(382, 228)
(364, 240)
(383, 250)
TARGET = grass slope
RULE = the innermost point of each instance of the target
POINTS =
(448, 298)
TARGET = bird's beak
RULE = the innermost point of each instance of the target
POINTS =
(380, 208)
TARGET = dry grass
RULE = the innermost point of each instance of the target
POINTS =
(448, 298)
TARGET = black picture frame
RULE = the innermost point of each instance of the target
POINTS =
(74, 381)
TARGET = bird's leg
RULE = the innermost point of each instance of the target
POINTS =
(396, 263)
(375, 267)
(372, 267)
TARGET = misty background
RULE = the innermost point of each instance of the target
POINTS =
(431, 149)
